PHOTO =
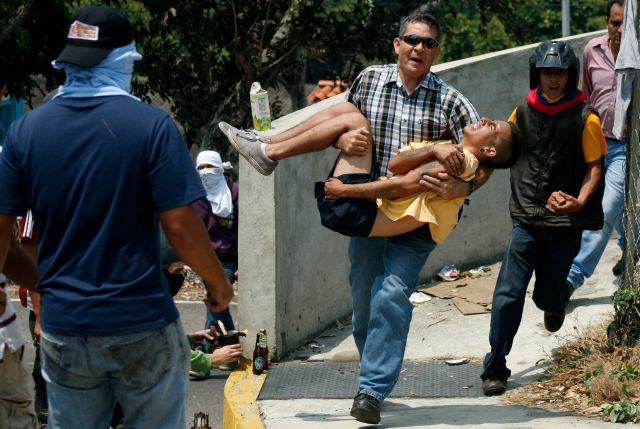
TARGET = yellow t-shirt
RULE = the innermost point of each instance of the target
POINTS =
(594, 145)
(441, 215)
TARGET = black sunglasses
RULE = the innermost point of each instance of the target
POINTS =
(414, 40)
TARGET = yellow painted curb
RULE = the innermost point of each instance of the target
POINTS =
(240, 393)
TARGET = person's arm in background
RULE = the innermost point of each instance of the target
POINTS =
(587, 85)
(203, 362)
(19, 267)
(187, 235)
(15, 263)
(200, 361)
(31, 248)
(202, 209)
(226, 354)
(35, 302)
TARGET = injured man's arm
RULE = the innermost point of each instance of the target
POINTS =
(394, 187)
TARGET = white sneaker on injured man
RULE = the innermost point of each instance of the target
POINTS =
(248, 144)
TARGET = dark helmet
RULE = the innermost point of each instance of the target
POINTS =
(554, 54)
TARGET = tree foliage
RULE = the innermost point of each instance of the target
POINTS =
(529, 21)
(202, 55)
(31, 34)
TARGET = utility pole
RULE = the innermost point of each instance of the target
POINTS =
(566, 17)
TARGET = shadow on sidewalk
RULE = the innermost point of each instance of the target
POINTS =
(587, 301)
(396, 414)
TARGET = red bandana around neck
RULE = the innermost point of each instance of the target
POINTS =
(552, 109)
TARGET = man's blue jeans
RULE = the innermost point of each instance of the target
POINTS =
(548, 252)
(230, 268)
(384, 273)
(145, 372)
(594, 242)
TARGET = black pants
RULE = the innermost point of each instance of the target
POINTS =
(549, 253)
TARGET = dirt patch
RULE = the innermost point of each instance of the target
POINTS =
(586, 376)
(192, 288)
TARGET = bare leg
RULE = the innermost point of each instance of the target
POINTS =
(322, 135)
(318, 118)
(348, 164)
(385, 227)
(317, 133)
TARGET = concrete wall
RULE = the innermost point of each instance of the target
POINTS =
(294, 273)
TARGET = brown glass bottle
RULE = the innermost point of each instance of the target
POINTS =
(261, 353)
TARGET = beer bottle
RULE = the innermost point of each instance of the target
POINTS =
(261, 353)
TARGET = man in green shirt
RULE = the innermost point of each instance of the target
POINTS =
(201, 363)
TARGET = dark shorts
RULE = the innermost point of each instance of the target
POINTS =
(353, 217)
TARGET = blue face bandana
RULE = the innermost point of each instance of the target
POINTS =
(111, 77)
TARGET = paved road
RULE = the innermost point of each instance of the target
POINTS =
(202, 396)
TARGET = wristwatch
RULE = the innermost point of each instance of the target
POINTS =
(471, 187)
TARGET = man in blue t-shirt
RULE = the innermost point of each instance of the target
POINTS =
(100, 170)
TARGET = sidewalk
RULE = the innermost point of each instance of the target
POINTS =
(439, 330)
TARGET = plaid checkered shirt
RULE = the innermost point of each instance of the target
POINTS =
(434, 111)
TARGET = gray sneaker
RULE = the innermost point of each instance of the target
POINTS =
(247, 143)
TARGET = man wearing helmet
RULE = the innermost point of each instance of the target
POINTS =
(555, 194)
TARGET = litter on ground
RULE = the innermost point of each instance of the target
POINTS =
(419, 298)
(448, 273)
